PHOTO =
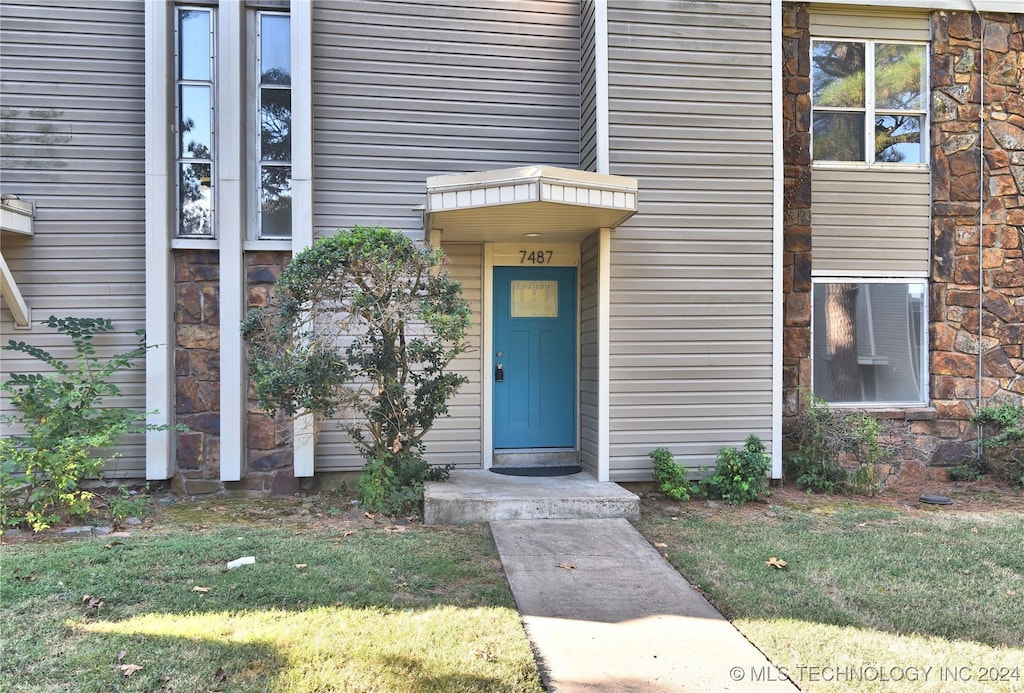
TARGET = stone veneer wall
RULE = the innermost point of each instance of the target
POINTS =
(197, 370)
(268, 439)
(975, 204)
(939, 436)
(197, 381)
(796, 258)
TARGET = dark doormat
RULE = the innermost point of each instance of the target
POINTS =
(549, 470)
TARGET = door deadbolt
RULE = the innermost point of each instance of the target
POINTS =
(499, 373)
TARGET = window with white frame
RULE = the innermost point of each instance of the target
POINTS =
(869, 101)
(268, 114)
(869, 341)
(273, 129)
(195, 106)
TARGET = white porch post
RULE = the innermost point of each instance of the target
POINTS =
(303, 431)
(778, 183)
(231, 233)
(159, 277)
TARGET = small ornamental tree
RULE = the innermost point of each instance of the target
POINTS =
(364, 324)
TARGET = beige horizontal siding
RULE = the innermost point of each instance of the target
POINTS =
(72, 141)
(875, 23)
(405, 90)
(691, 273)
(870, 221)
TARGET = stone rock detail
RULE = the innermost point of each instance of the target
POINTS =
(796, 258)
(976, 295)
(977, 306)
(197, 370)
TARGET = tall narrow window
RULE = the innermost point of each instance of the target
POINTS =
(274, 99)
(868, 101)
(195, 104)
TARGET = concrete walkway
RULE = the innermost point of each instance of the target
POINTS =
(605, 612)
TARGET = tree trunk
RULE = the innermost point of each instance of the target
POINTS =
(841, 342)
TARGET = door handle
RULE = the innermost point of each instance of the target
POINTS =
(499, 373)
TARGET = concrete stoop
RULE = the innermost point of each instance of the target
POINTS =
(479, 495)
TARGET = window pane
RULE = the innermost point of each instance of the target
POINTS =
(838, 136)
(195, 200)
(194, 44)
(837, 74)
(275, 124)
(276, 202)
(195, 129)
(898, 139)
(868, 342)
(275, 49)
(899, 77)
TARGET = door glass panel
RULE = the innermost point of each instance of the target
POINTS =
(534, 299)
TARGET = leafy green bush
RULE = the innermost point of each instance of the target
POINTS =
(67, 428)
(671, 477)
(740, 475)
(364, 324)
(838, 449)
(1002, 440)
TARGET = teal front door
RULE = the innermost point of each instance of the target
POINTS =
(534, 360)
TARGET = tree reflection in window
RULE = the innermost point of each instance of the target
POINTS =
(855, 83)
(194, 105)
(275, 126)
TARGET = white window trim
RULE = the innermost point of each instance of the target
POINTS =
(253, 241)
(925, 391)
(161, 230)
(869, 108)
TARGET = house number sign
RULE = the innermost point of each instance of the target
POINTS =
(535, 257)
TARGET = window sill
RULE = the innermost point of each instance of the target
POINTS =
(899, 412)
(268, 245)
(862, 166)
(194, 244)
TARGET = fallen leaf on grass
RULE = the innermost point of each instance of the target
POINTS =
(92, 602)
(369, 516)
(129, 669)
(220, 674)
(349, 533)
(567, 566)
(300, 566)
(660, 545)
(1011, 593)
(200, 590)
(776, 563)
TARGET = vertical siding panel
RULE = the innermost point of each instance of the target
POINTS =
(691, 314)
(588, 89)
(870, 222)
(72, 140)
(589, 352)
(404, 90)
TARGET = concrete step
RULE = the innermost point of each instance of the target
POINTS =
(479, 495)
(535, 458)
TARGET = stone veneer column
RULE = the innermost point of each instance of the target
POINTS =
(268, 436)
(197, 370)
(796, 259)
(974, 204)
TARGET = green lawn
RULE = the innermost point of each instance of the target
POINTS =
(326, 606)
(871, 598)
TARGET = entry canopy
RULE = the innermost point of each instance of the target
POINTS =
(564, 205)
